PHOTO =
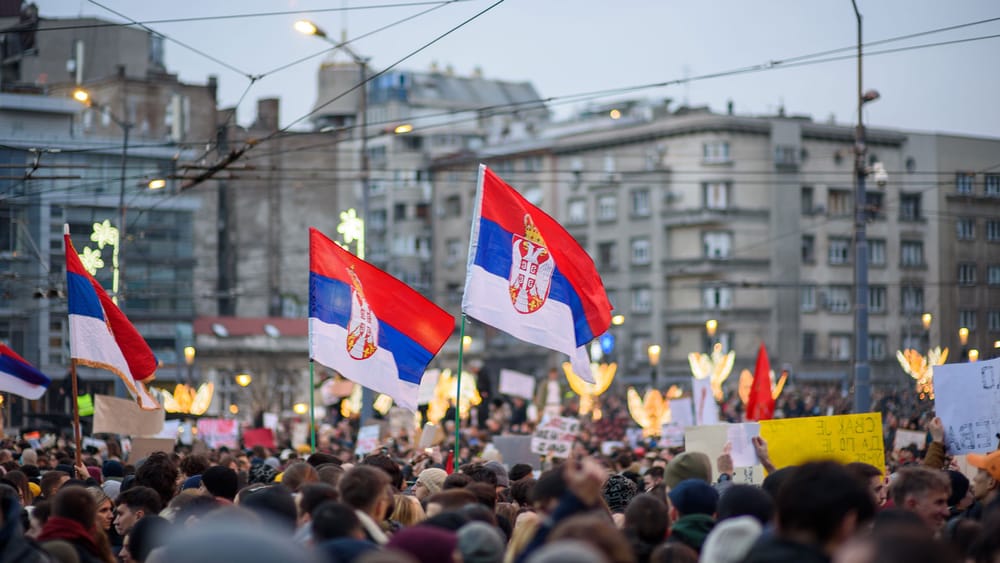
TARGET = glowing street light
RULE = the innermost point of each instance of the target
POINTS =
(618, 320)
(711, 326)
(81, 96)
(466, 343)
(926, 319)
(243, 379)
(306, 27)
(403, 129)
(973, 355)
(963, 335)
(157, 184)
(300, 408)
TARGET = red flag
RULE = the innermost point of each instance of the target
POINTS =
(760, 405)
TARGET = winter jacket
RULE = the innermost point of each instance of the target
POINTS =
(772, 549)
(691, 530)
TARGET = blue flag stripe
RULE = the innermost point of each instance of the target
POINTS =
(82, 299)
(25, 373)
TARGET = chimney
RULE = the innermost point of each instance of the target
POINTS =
(213, 86)
(729, 107)
(267, 114)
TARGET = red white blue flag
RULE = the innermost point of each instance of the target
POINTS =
(101, 336)
(528, 277)
(372, 328)
(19, 377)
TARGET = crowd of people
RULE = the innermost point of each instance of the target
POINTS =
(642, 504)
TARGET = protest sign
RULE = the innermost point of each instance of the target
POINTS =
(401, 421)
(218, 432)
(967, 398)
(258, 437)
(671, 436)
(123, 416)
(906, 437)
(555, 436)
(516, 449)
(142, 447)
(171, 428)
(367, 439)
(517, 384)
(739, 437)
(681, 412)
(706, 410)
(300, 433)
(428, 436)
(844, 438)
(711, 441)
(271, 421)
(608, 447)
(99, 445)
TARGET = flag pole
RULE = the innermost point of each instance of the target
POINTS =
(76, 412)
(312, 408)
(458, 394)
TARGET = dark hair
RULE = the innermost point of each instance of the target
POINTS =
(220, 481)
(197, 506)
(863, 471)
(655, 472)
(817, 496)
(647, 517)
(146, 535)
(195, 464)
(298, 474)
(319, 458)
(75, 503)
(673, 553)
(159, 473)
(485, 493)
(311, 495)
(362, 486)
(520, 491)
(391, 468)
(50, 482)
(275, 503)
(452, 499)
(550, 485)
(332, 520)
(450, 520)
(519, 471)
(773, 482)
(140, 498)
(745, 500)
(330, 474)
(456, 481)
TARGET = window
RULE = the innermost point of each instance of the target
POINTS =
(717, 297)
(716, 195)
(609, 163)
(640, 203)
(967, 273)
(786, 155)
(992, 185)
(967, 318)
(642, 300)
(423, 210)
(808, 345)
(965, 228)
(715, 151)
(993, 321)
(838, 202)
(913, 299)
(838, 299)
(453, 206)
(452, 251)
(993, 274)
(963, 182)
(914, 342)
(376, 220)
(909, 207)
(808, 207)
(839, 251)
(993, 230)
(840, 347)
(607, 208)
(911, 253)
(874, 205)
(640, 251)
(399, 211)
(876, 299)
(808, 301)
(577, 212)
(876, 347)
(607, 257)
(808, 249)
(876, 252)
(717, 244)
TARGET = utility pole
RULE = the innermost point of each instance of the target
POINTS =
(226, 257)
(862, 371)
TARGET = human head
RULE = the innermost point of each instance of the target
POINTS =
(76, 504)
(987, 479)
(648, 518)
(479, 542)
(427, 544)
(871, 477)
(821, 502)
(194, 464)
(452, 499)
(693, 496)
(688, 465)
(597, 531)
(221, 482)
(745, 500)
(298, 474)
(618, 491)
(503, 480)
(105, 508)
(311, 496)
(51, 482)
(134, 504)
(19, 481)
(922, 491)
(547, 491)
(429, 482)
(366, 489)
(391, 468)
(147, 535)
(273, 503)
(159, 473)
(730, 540)
(407, 510)
(329, 473)
(519, 471)
(652, 477)
(333, 520)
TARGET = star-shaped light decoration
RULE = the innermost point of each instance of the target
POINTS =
(716, 366)
(352, 228)
(653, 411)
(603, 374)
(921, 368)
(104, 234)
(91, 260)
(444, 396)
(746, 384)
(186, 400)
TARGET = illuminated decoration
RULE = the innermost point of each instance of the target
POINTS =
(244, 379)
(444, 396)
(104, 235)
(351, 405)
(716, 366)
(300, 408)
(234, 408)
(186, 400)
(653, 411)
(352, 228)
(603, 374)
(746, 384)
(382, 404)
(921, 368)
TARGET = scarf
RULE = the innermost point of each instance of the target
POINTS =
(60, 528)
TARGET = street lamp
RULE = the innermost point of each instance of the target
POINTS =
(189, 353)
(243, 379)
(711, 328)
(654, 360)
(926, 319)
(300, 408)
(973, 355)
(618, 320)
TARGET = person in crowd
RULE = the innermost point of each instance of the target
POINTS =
(985, 483)
(692, 511)
(872, 478)
(220, 482)
(148, 534)
(367, 489)
(70, 534)
(429, 482)
(15, 545)
(133, 505)
(159, 473)
(923, 492)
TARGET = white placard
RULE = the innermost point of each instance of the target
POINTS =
(967, 398)
(170, 429)
(681, 412)
(555, 436)
(706, 410)
(607, 448)
(517, 384)
(906, 437)
(739, 436)
(671, 436)
(271, 421)
(367, 439)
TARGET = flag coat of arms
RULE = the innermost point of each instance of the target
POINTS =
(369, 326)
(101, 336)
(528, 277)
(19, 377)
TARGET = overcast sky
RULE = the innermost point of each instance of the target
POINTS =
(567, 47)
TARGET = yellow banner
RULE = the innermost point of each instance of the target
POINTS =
(844, 438)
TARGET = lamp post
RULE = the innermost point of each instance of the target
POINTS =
(963, 339)
(711, 328)
(654, 360)
(862, 371)
(189, 353)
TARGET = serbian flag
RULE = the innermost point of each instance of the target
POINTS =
(101, 336)
(528, 277)
(369, 326)
(760, 404)
(19, 377)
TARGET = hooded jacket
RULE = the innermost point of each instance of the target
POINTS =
(691, 530)
(14, 547)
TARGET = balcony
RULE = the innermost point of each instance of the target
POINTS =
(696, 317)
(707, 266)
(704, 216)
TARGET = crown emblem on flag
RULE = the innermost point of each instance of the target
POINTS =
(531, 269)
(362, 329)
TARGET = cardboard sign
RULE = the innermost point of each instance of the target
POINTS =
(711, 441)
(428, 436)
(142, 447)
(681, 412)
(517, 449)
(671, 436)
(967, 398)
(258, 437)
(706, 410)
(171, 428)
(123, 416)
(218, 432)
(844, 438)
(367, 439)
(555, 436)
(517, 384)
(906, 437)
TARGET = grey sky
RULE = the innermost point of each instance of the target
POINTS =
(568, 47)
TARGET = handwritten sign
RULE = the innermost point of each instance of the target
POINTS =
(706, 410)
(906, 437)
(367, 439)
(844, 438)
(516, 384)
(681, 412)
(711, 441)
(555, 436)
(967, 398)
(739, 437)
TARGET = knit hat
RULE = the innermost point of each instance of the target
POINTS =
(500, 471)
(618, 491)
(989, 462)
(426, 544)
(688, 465)
(192, 482)
(112, 468)
(260, 473)
(694, 496)
(730, 540)
(959, 487)
(95, 473)
(478, 542)
(432, 479)
(35, 489)
(112, 488)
